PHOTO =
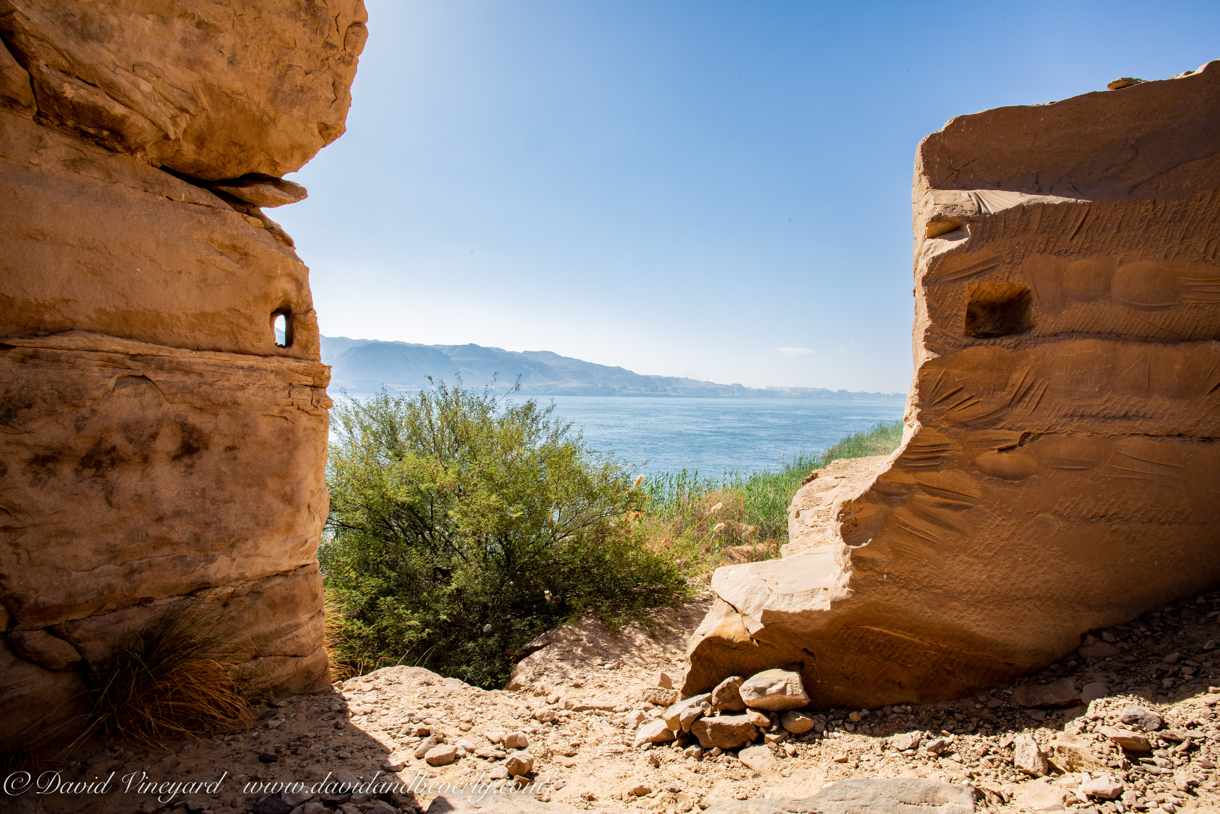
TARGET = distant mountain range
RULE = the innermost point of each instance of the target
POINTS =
(365, 365)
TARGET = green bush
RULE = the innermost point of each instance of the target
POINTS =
(462, 526)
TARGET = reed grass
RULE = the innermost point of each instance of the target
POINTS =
(177, 677)
(705, 522)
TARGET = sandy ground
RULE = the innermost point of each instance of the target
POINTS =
(576, 690)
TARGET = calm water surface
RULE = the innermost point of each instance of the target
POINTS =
(714, 435)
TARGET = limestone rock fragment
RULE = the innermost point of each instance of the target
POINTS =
(1058, 466)
(1028, 756)
(726, 697)
(654, 731)
(1061, 693)
(724, 731)
(774, 691)
(40, 647)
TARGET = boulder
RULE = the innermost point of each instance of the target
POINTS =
(774, 691)
(1057, 469)
(724, 731)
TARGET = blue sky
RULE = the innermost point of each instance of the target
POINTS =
(718, 190)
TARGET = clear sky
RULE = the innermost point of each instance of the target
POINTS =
(718, 190)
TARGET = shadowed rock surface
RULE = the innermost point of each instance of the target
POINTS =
(157, 445)
(1059, 465)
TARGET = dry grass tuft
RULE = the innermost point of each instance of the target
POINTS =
(175, 678)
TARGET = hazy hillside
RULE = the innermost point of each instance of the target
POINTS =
(364, 365)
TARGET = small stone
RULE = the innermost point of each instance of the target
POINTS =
(544, 716)
(693, 751)
(1028, 757)
(516, 740)
(422, 750)
(640, 790)
(1123, 82)
(498, 772)
(441, 755)
(774, 690)
(758, 719)
(394, 763)
(674, 714)
(519, 764)
(938, 746)
(552, 699)
(271, 804)
(1172, 658)
(1185, 780)
(1137, 716)
(1126, 739)
(495, 737)
(1061, 693)
(634, 718)
(1093, 691)
(1070, 753)
(1098, 650)
(724, 731)
(660, 696)
(727, 695)
(854, 717)
(655, 731)
(906, 740)
(798, 723)
(758, 758)
(267, 757)
(1105, 787)
(665, 681)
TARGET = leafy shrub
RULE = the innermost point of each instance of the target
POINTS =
(462, 526)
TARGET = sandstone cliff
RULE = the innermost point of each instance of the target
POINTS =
(1061, 460)
(157, 445)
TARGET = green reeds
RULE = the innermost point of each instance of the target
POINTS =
(706, 522)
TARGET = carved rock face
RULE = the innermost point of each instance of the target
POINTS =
(1058, 473)
(208, 90)
(161, 446)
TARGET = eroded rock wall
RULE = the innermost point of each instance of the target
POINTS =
(1062, 452)
(158, 445)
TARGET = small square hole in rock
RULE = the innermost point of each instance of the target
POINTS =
(998, 309)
